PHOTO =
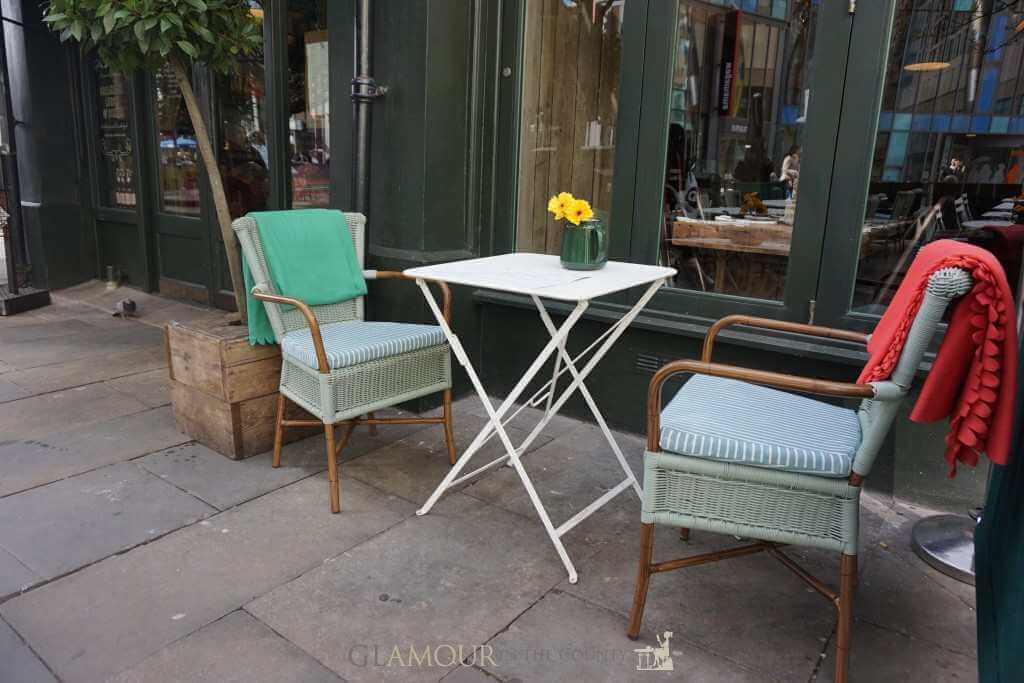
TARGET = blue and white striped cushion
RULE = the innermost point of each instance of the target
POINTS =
(354, 342)
(725, 419)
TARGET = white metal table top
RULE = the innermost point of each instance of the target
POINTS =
(542, 275)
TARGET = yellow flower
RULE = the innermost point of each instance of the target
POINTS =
(559, 204)
(579, 211)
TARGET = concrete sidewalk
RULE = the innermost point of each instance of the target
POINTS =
(128, 552)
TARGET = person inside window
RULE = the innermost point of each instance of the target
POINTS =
(791, 169)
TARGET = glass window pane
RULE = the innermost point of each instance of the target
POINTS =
(949, 168)
(740, 93)
(116, 175)
(570, 106)
(242, 155)
(178, 155)
(309, 115)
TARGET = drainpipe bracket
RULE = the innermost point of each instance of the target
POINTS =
(366, 89)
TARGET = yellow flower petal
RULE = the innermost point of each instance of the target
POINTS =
(556, 208)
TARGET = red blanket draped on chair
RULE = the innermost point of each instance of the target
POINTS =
(974, 377)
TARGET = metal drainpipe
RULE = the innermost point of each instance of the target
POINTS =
(15, 244)
(364, 91)
(979, 39)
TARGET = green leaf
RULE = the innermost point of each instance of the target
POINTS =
(140, 31)
(165, 24)
(76, 29)
(50, 18)
(198, 4)
(109, 20)
(188, 48)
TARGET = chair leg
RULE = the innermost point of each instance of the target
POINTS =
(332, 469)
(642, 580)
(373, 428)
(278, 431)
(844, 632)
(449, 433)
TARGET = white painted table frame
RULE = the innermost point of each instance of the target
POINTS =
(564, 362)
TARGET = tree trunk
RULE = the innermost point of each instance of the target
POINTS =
(220, 200)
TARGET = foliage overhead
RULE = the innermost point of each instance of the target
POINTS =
(132, 34)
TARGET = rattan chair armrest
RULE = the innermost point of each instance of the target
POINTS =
(314, 326)
(446, 292)
(781, 325)
(775, 379)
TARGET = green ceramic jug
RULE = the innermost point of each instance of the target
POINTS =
(584, 246)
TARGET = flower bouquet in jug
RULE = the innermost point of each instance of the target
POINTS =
(584, 242)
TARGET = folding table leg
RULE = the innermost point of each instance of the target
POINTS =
(494, 416)
(571, 367)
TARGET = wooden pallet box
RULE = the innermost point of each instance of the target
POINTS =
(224, 391)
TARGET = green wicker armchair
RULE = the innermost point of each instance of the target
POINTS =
(340, 368)
(730, 455)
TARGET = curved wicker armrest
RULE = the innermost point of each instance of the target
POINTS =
(775, 379)
(446, 292)
(781, 325)
(314, 326)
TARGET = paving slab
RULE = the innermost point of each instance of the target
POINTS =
(751, 610)
(9, 391)
(454, 577)
(14, 576)
(879, 654)
(223, 482)
(152, 388)
(122, 336)
(60, 527)
(29, 462)
(414, 466)
(18, 664)
(563, 638)
(234, 649)
(569, 473)
(468, 674)
(74, 373)
(110, 616)
(15, 334)
(31, 418)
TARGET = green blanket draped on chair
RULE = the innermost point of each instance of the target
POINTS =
(999, 566)
(310, 255)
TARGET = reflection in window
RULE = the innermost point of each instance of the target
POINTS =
(242, 155)
(570, 105)
(117, 157)
(949, 152)
(309, 114)
(178, 156)
(740, 89)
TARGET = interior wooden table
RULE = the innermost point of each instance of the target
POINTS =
(769, 238)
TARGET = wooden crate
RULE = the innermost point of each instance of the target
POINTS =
(224, 391)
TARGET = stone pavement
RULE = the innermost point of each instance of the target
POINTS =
(129, 553)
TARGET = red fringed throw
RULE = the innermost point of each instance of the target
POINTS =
(974, 376)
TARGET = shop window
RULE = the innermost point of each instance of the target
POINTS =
(242, 152)
(954, 174)
(177, 151)
(309, 116)
(116, 166)
(740, 92)
(570, 106)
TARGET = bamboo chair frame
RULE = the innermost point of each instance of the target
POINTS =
(890, 393)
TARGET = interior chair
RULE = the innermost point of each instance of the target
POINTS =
(733, 455)
(339, 367)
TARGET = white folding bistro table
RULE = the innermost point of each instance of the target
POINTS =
(540, 276)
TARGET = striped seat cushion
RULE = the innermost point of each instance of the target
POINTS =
(354, 342)
(725, 419)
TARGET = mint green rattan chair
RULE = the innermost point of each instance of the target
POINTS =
(732, 456)
(341, 368)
